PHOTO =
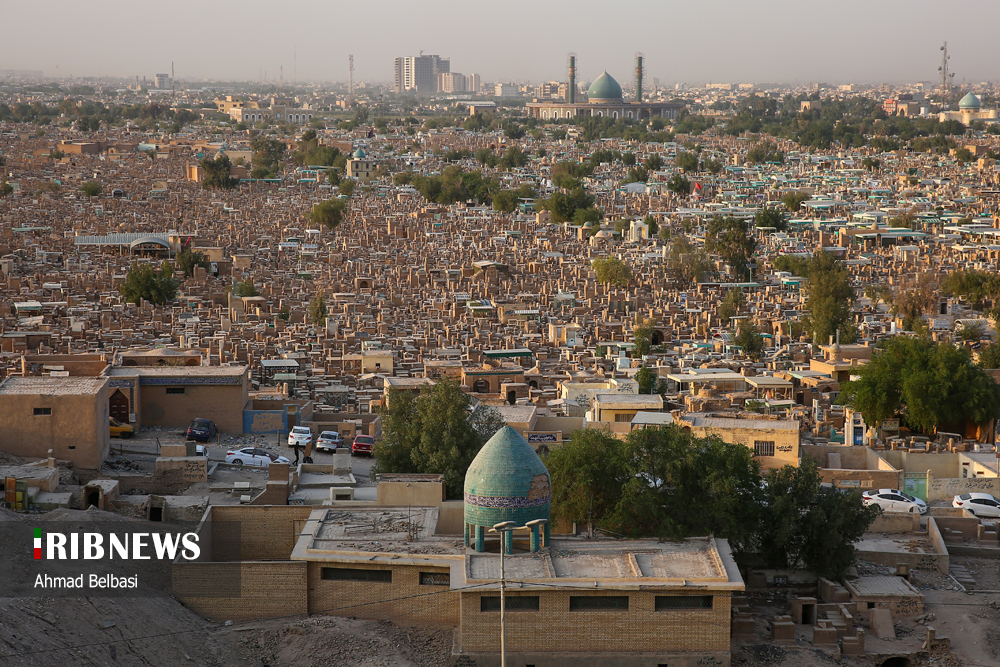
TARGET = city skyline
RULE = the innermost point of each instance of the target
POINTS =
(774, 41)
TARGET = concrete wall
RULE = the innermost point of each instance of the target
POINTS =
(786, 442)
(410, 494)
(944, 464)
(451, 519)
(895, 522)
(75, 431)
(554, 628)
(946, 489)
(266, 532)
(222, 403)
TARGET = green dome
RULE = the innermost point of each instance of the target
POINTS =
(605, 89)
(359, 154)
(506, 482)
(970, 101)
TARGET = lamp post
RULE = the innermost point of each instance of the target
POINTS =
(502, 529)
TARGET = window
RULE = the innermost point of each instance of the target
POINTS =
(670, 602)
(352, 574)
(435, 579)
(624, 417)
(598, 602)
(514, 603)
(43, 412)
(175, 390)
(763, 447)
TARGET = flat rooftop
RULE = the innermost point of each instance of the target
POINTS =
(51, 386)
(895, 544)
(177, 371)
(881, 586)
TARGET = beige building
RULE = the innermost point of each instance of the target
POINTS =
(774, 442)
(68, 415)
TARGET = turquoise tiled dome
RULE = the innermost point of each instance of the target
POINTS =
(970, 101)
(605, 89)
(506, 482)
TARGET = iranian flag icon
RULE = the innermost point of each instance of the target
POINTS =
(38, 543)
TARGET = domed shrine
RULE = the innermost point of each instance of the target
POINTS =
(604, 99)
(507, 482)
(970, 110)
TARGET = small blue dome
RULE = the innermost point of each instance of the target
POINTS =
(358, 154)
(506, 482)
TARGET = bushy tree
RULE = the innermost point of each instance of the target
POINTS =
(144, 282)
(687, 161)
(793, 200)
(187, 260)
(433, 432)
(749, 339)
(91, 188)
(317, 309)
(769, 218)
(217, 173)
(5, 189)
(642, 336)
(829, 298)
(731, 304)
(928, 384)
(245, 288)
(612, 271)
(730, 239)
(329, 213)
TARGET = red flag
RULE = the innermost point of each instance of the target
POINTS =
(697, 186)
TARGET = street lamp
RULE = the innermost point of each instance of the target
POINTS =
(502, 529)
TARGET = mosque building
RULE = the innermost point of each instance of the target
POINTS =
(569, 599)
(604, 99)
(970, 109)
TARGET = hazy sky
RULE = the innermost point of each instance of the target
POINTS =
(793, 41)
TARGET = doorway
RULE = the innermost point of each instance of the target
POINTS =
(118, 406)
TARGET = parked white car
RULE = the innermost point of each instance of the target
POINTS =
(894, 500)
(979, 504)
(253, 456)
(329, 441)
(300, 435)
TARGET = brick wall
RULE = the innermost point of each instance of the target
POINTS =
(555, 628)
(266, 589)
(267, 532)
(404, 600)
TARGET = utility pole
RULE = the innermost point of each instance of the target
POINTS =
(946, 76)
(502, 529)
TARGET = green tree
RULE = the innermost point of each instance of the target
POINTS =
(653, 162)
(144, 282)
(217, 173)
(5, 189)
(679, 185)
(929, 384)
(245, 288)
(267, 154)
(329, 213)
(187, 260)
(588, 474)
(770, 218)
(433, 432)
(612, 271)
(642, 336)
(563, 206)
(731, 304)
(505, 201)
(687, 161)
(799, 524)
(346, 187)
(829, 298)
(317, 309)
(730, 239)
(989, 356)
(749, 339)
(646, 380)
(793, 200)
(91, 188)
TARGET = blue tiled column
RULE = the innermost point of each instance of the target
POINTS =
(534, 538)
(466, 534)
(480, 541)
(508, 541)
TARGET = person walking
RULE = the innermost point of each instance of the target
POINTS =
(296, 448)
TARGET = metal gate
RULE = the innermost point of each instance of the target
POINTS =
(915, 484)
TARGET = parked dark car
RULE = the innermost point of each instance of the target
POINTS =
(202, 430)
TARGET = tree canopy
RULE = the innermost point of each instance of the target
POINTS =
(317, 309)
(730, 238)
(217, 173)
(329, 213)
(663, 482)
(642, 336)
(927, 384)
(433, 432)
(91, 188)
(187, 260)
(612, 271)
(144, 282)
